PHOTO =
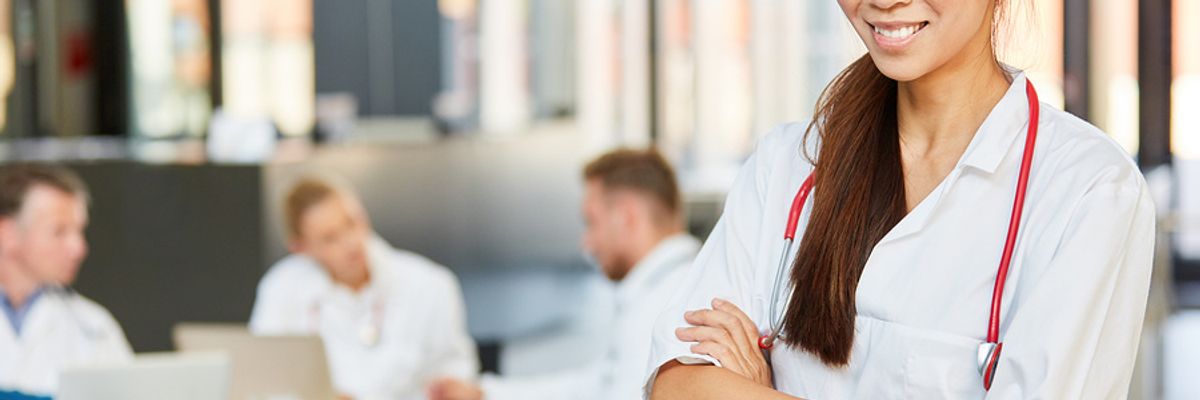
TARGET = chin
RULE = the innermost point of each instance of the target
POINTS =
(65, 280)
(900, 70)
(612, 272)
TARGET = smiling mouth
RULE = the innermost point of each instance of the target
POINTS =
(898, 32)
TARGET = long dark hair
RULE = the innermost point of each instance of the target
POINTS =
(860, 151)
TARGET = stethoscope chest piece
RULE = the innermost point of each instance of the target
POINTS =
(368, 335)
(367, 319)
(989, 357)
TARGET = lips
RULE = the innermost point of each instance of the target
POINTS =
(899, 32)
(896, 35)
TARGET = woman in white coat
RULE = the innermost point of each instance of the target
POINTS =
(896, 289)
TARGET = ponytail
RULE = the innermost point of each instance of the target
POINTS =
(858, 197)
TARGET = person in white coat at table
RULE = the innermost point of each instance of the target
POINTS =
(46, 326)
(634, 230)
(391, 321)
(962, 240)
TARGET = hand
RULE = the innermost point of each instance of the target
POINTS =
(454, 389)
(727, 334)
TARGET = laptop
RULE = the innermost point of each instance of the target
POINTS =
(263, 367)
(150, 377)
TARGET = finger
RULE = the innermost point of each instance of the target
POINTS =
(755, 357)
(748, 326)
(723, 354)
(704, 333)
(736, 352)
(724, 321)
(437, 390)
(716, 319)
(744, 341)
(728, 322)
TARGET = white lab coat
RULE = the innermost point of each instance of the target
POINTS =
(415, 305)
(620, 371)
(61, 330)
(1076, 292)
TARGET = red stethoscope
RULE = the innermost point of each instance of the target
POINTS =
(989, 351)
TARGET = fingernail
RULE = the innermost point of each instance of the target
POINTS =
(718, 302)
(689, 314)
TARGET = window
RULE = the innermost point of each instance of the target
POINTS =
(1185, 91)
(1114, 86)
(170, 67)
(1032, 41)
(267, 62)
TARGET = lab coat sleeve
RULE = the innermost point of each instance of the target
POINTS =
(1075, 334)
(454, 353)
(724, 266)
(111, 345)
(117, 345)
(271, 306)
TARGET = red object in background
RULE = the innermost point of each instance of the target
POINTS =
(78, 54)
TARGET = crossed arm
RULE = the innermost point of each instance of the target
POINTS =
(726, 334)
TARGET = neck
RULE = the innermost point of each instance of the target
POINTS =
(358, 283)
(651, 240)
(942, 110)
(18, 286)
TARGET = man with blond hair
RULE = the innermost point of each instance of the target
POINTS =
(391, 321)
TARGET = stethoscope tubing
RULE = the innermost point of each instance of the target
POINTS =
(989, 351)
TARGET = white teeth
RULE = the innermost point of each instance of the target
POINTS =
(898, 33)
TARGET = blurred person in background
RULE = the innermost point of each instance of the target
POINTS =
(632, 210)
(391, 321)
(46, 325)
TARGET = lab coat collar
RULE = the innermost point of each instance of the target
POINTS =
(1007, 121)
(668, 254)
(17, 316)
(378, 252)
(993, 141)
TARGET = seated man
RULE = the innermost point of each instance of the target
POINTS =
(634, 231)
(47, 326)
(391, 321)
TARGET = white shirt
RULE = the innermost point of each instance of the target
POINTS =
(1076, 292)
(412, 306)
(619, 374)
(63, 329)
